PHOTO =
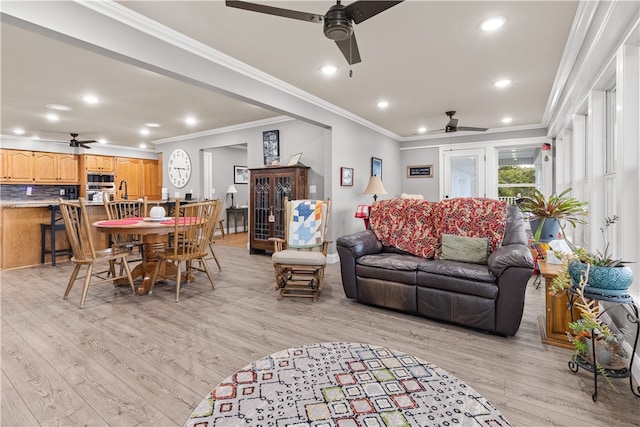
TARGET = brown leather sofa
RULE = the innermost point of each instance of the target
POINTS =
(488, 297)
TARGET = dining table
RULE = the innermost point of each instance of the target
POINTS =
(154, 232)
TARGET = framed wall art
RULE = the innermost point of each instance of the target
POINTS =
(376, 167)
(346, 177)
(420, 171)
(271, 147)
(240, 175)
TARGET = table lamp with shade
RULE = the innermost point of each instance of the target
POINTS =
(375, 187)
(232, 190)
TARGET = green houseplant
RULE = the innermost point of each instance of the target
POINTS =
(576, 275)
(556, 208)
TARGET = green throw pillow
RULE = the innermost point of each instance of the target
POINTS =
(466, 249)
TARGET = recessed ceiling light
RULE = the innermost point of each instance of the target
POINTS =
(329, 69)
(35, 137)
(507, 120)
(144, 131)
(190, 120)
(143, 145)
(90, 99)
(493, 24)
(422, 129)
(18, 131)
(152, 125)
(383, 104)
(502, 83)
(52, 117)
(102, 141)
(58, 107)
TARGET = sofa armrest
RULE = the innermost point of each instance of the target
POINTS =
(509, 256)
(350, 248)
(361, 243)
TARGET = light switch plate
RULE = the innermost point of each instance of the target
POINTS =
(312, 189)
(29, 190)
(62, 191)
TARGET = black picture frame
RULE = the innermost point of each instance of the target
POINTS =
(346, 177)
(376, 167)
(271, 147)
(420, 171)
(240, 174)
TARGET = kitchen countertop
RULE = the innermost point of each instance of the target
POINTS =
(36, 203)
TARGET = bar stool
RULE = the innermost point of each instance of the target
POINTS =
(52, 227)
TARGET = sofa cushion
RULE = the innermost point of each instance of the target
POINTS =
(466, 249)
(473, 217)
(407, 224)
(389, 266)
(458, 269)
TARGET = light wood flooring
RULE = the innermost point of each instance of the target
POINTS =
(129, 360)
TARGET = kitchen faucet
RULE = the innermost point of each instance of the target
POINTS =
(125, 196)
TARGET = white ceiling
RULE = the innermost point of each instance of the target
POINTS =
(423, 57)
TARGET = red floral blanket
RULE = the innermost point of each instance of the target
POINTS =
(415, 226)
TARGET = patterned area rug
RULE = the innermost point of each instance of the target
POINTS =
(343, 385)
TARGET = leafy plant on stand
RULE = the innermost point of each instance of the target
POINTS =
(561, 207)
(590, 327)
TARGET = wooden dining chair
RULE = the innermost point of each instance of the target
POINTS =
(192, 229)
(120, 209)
(76, 222)
(212, 253)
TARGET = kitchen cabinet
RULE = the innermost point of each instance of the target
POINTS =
(98, 163)
(17, 166)
(54, 168)
(131, 171)
(152, 180)
(268, 189)
(38, 167)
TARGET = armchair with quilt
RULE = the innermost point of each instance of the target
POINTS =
(300, 258)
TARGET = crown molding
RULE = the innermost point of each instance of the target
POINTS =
(232, 128)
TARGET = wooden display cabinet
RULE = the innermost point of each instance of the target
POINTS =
(268, 188)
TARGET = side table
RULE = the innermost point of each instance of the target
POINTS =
(557, 313)
(234, 212)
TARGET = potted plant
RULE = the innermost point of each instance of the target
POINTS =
(606, 276)
(590, 331)
(584, 271)
(547, 214)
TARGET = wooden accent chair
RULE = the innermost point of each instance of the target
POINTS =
(300, 258)
(76, 222)
(193, 224)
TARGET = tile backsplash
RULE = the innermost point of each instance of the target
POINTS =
(18, 192)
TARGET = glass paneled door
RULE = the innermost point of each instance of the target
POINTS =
(464, 173)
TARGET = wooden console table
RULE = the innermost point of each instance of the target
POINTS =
(553, 327)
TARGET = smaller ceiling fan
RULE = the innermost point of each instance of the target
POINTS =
(452, 126)
(337, 21)
(73, 142)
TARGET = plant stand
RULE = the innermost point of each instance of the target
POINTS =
(578, 362)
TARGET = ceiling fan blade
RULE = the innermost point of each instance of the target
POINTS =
(362, 10)
(467, 128)
(80, 144)
(87, 141)
(349, 49)
(277, 11)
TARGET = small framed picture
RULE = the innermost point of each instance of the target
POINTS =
(376, 167)
(271, 147)
(240, 175)
(420, 171)
(293, 160)
(346, 177)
